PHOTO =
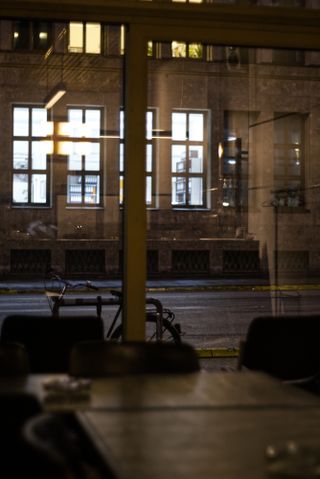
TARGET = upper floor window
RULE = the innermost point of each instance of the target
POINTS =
(31, 35)
(188, 159)
(150, 158)
(84, 162)
(84, 37)
(30, 156)
(186, 50)
(289, 159)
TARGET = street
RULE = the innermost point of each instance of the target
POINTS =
(209, 319)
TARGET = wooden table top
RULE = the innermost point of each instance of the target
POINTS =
(197, 443)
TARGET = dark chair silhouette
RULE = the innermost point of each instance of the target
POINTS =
(48, 341)
(286, 347)
(60, 449)
(93, 359)
(15, 410)
(14, 360)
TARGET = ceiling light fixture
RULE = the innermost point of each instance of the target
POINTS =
(54, 96)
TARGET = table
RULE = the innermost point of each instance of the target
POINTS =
(197, 442)
(195, 390)
(214, 425)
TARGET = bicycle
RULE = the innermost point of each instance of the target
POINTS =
(160, 324)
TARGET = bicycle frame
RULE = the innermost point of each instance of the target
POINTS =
(58, 300)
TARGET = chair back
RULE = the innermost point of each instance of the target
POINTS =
(48, 340)
(286, 347)
(94, 359)
(16, 408)
(14, 359)
(60, 449)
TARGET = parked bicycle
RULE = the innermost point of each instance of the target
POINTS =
(160, 325)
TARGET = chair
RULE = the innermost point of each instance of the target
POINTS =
(15, 410)
(286, 347)
(48, 341)
(60, 449)
(14, 360)
(94, 359)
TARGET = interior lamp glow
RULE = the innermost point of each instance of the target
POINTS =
(54, 96)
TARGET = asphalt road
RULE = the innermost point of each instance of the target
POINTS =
(208, 319)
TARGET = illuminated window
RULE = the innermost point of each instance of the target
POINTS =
(186, 50)
(83, 152)
(150, 158)
(30, 156)
(188, 159)
(84, 37)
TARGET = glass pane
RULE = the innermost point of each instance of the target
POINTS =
(195, 191)
(74, 159)
(149, 125)
(178, 158)
(195, 50)
(196, 127)
(20, 155)
(20, 121)
(179, 126)
(93, 38)
(121, 186)
(121, 124)
(21, 35)
(149, 190)
(121, 157)
(39, 122)
(76, 37)
(178, 49)
(178, 191)
(92, 123)
(20, 188)
(74, 189)
(75, 122)
(92, 189)
(236, 182)
(149, 159)
(38, 188)
(39, 155)
(92, 157)
(195, 159)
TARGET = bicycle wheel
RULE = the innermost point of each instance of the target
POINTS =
(170, 333)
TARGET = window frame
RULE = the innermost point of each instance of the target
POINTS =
(29, 171)
(205, 160)
(83, 50)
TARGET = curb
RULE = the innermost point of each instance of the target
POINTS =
(195, 288)
(205, 353)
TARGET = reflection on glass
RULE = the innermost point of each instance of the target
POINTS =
(20, 188)
(38, 188)
(20, 154)
(20, 121)
(39, 156)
